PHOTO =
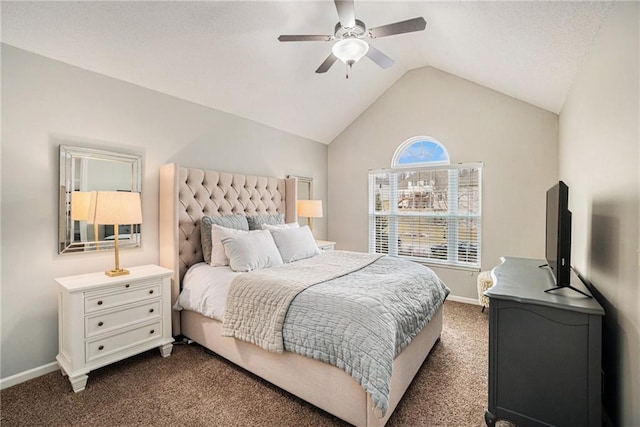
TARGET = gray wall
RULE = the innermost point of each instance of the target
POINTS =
(517, 142)
(46, 103)
(600, 161)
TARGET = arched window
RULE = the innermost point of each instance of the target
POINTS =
(420, 151)
(425, 208)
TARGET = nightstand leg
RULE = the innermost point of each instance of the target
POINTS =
(165, 350)
(78, 383)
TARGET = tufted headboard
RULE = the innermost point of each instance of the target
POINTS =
(186, 195)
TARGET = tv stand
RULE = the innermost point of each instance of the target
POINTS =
(544, 350)
(565, 286)
(569, 287)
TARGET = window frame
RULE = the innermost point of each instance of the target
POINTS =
(395, 161)
(392, 215)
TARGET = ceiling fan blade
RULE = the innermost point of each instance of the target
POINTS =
(379, 58)
(346, 13)
(408, 26)
(324, 67)
(304, 38)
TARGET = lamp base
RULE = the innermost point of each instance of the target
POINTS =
(118, 272)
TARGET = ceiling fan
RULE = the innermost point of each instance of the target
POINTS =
(349, 33)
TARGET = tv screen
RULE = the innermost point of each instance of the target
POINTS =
(558, 239)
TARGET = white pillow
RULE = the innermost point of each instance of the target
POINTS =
(251, 251)
(295, 243)
(218, 256)
(280, 226)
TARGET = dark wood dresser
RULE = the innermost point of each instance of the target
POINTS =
(544, 349)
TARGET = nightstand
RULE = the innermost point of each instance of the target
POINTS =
(104, 319)
(325, 245)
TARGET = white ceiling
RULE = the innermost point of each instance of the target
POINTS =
(226, 54)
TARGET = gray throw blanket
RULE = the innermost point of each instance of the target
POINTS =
(258, 301)
(359, 322)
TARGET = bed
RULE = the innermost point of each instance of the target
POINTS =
(186, 196)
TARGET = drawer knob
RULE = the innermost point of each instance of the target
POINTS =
(101, 347)
(127, 285)
(151, 310)
(100, 323)
(151, 291)
(152, 331)
(100, 302)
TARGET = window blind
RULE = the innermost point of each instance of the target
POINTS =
(430, 214)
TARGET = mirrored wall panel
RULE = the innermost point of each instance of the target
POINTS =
(83, 170)
(305, 192)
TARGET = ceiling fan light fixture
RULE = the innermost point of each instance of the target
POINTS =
(350, 50)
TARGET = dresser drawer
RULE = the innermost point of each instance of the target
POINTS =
(95, 301)
(100, 322)
(107, 346)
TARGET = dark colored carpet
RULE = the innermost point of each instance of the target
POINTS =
(193, 388)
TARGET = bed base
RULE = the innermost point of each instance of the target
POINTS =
(186, 194)
(320, 384)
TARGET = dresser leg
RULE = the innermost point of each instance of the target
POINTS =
(78, 383)
(165, 350)
(489, 418)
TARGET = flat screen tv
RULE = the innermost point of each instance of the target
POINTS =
(558, 239)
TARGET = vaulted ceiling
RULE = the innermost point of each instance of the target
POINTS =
(225, 54)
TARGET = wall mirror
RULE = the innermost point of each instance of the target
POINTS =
(83, 170)
(305, 192)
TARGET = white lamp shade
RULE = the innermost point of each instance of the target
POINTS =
(350, 50)
(115, 207)
(310, 208)
(80, 201)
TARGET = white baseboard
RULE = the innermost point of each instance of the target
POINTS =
(464, 300)
(28, 375)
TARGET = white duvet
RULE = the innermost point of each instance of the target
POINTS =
(205, 289)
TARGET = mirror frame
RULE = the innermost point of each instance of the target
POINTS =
(306, 184)
(68, 154)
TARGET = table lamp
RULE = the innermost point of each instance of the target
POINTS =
(80, 205)
(114, 208)
(80, 201)
(310, 209)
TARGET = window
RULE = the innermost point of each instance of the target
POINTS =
(420, 151)
(426, 210)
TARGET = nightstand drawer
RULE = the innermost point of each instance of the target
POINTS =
(325, 245)
(100, 301)
(105, 322)
(107, 346)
